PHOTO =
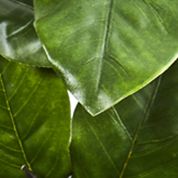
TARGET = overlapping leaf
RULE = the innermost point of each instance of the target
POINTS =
(18, 39)
(108, 49)
(34, 122)
(137, 138)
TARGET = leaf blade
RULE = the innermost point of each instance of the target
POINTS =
(32, 118)
(19, 41)
(138, 135)
(107, 50)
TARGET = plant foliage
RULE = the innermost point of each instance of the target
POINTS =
(136, 138)
(116, 57)
(108, 49)
(34, 122)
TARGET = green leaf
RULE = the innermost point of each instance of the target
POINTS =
(137, 138)
(18, 39)
(108, 49)
(34, 122)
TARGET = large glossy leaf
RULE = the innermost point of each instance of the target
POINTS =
(135, 139)
(34, 122)
(18, 39)
(108, 49)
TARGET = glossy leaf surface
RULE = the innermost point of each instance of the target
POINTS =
(34, 122)
(135, 139)
(18, 39)
(108, 49)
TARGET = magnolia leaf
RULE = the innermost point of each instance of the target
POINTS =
(34, 123)
(108, 49)
(136, 138)
(18, 39)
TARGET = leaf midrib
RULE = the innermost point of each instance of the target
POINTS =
(104, 44)
(136, 135)
(9, 109)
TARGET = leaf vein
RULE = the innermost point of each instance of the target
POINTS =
(102, 146)
(28, 99)
(146, 116)
(105, 43)
(14, 123)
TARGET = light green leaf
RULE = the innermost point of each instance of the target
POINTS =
(18, 39)
(108, 49)
(135, 139)
(34, 122)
